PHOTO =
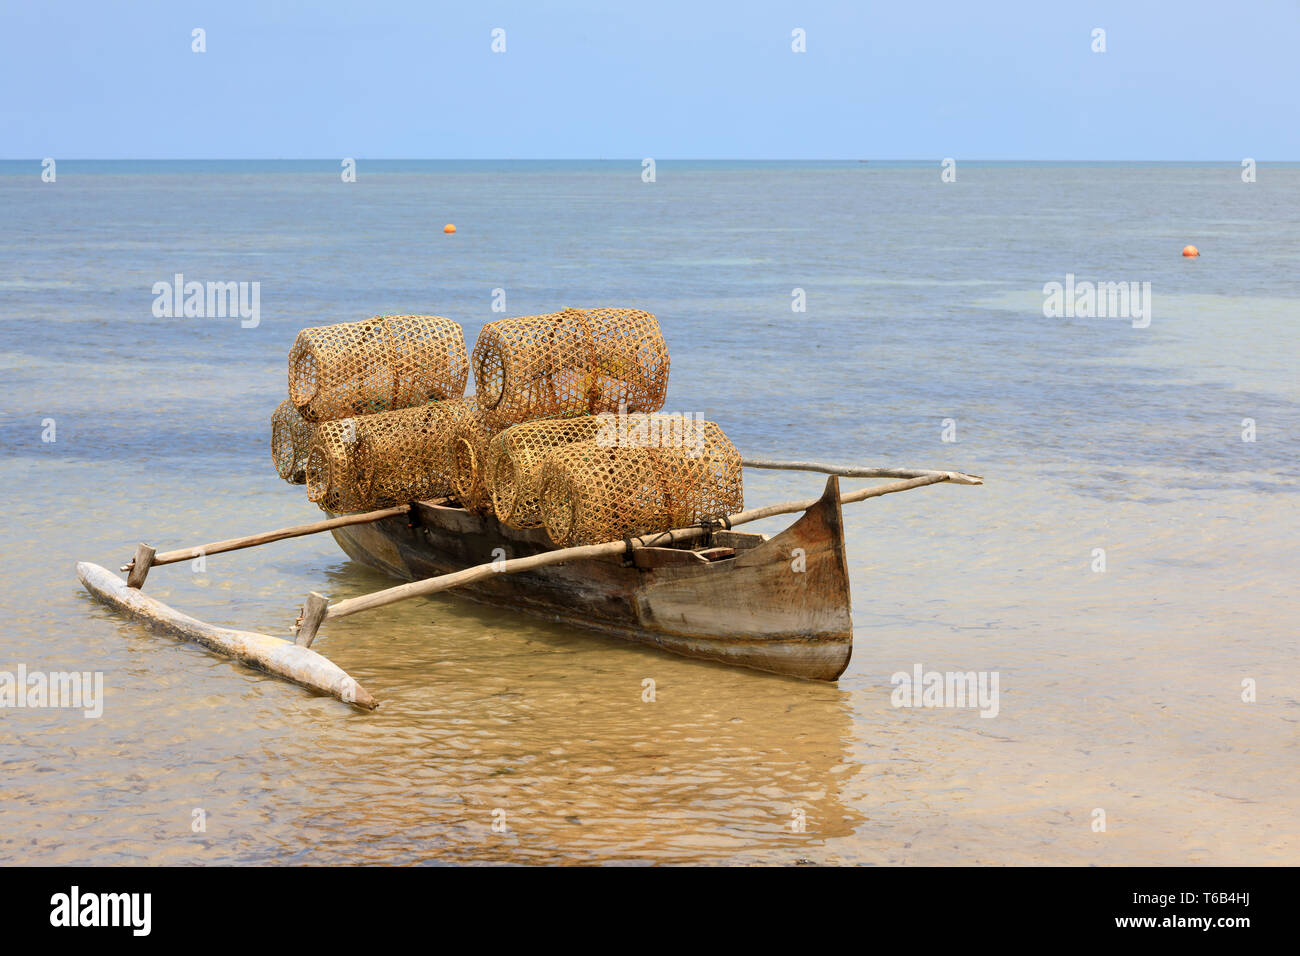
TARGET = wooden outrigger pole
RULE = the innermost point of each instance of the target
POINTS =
(275, 655)
(853, 471)
(145, 557)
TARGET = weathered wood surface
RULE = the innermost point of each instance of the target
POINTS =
(789, 507)
(649, 558)
(853, 471)
(753, 610)
(275, 655)
(716, 553)
(313, 612)
(783, 606)
(140, 565)
(444, 582)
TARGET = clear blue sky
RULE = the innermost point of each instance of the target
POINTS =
(1196, 80)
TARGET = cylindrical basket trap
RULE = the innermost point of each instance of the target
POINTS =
(374, 461)
(469, 439)
(290, 442)
(592, 492)
(578, 361)
(515, 457)
(385, 363)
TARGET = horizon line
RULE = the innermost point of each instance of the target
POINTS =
(579, 159)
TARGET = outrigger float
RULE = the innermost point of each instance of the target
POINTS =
(778, 604)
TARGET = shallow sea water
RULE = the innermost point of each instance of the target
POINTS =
(1119, 690)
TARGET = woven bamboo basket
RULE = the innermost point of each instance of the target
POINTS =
(574, 362)
(373, 461)
(469, 440)
(290, 442)
(591, 492)
(382, 364)
(515, 457)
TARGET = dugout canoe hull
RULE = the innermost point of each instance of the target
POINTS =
(778, 604)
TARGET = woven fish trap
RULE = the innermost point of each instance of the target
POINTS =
(374, 461)
(578, 361)
(290, 442)
(469, 440)
(382, 364)
(515, 457)
(592, 492)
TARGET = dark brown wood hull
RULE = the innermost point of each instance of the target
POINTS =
(779, 605)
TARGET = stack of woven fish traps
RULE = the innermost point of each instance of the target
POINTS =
(571, 383)
(558, 366)
(565, 430)
(369, 410)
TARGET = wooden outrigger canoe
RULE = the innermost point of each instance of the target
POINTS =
(778, 604)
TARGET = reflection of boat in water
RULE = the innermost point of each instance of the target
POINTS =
(778, 604)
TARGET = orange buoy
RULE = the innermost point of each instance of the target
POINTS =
(449, 228)
(1191, 252)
